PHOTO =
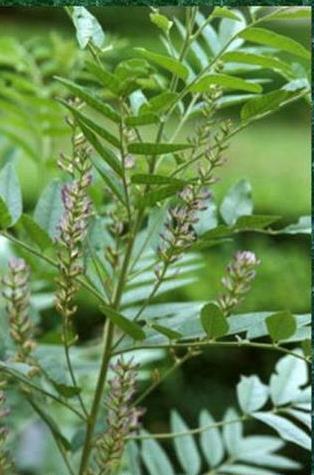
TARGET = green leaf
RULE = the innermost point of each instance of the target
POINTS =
(65, 390)
(237, 202)
(45, 416)
(143, 179)
(213, 320)
(35, 232)
(263, 104)
(106, 154)
(87, 28)
(281, 325)
(156, 148)
(91, 99)
(143, 119)
(303, 226)
(286, 429)
(127, 326)
(5, 217)
(232, 432)
(217, 232)
(252, 394)
(290, 13)
(159, 103)
(133, 457)
(49, 209)
(185, 446)
(210, 440)
(155, 458)
(166, 62)
(153, 197)
(230, 82)
(168, 332)
(109, 178)
(289, 376)
(256, 59)
(224, 12)
(104, 77)
(10, 191)
(270, 38)
(252, 222)
(83, 120)
(161, 21)
(307, 347)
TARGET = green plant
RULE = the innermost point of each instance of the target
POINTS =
(125, 223)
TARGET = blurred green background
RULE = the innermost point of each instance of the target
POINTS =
(275, 156)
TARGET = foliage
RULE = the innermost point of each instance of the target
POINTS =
(125, 222)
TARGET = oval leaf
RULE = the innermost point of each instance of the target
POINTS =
(166, 62)
(225, 81)
(281, 325)
(213, 320)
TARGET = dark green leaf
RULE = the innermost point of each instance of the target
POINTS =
(49, 209)
(107, 155)
(230, 82)
(35, 232)
(307, 348)
(143, 179)
(166, 62)
(217, 232)
(156, 148)
(213, 320)
(91, 99)
(10, 191)
(5, 217)
(104, 77)
(85, 121)
(109, 178)
(270, 38)
(263, 104)
(281, 325)
(153, 197)
(143, 119)
(127, 326)
(66, 390)
(168, 332)
(159, 103)
(254, 222)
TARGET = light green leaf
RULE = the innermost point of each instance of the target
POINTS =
(230, 82)
(155, 458)
(87, 28)
(290, 374)
(270, 38)
(133, 457)
(35, 232)
(281, 325)
(290, 13)
(286, 429)
(210, 440)
(304, 417)
(156, 148)
(224, 12)
(240, 469)
(161, 21)
(159, 103)
(49, 209)
(252, 394)
(256, 59)
(303, 226)
(185, 446)
(232, 432)
(10, 191)
(127, 326)
(153, 197)
(237, 202)
(143, 119)
(91, 99)
(166, 62)
(213, 321)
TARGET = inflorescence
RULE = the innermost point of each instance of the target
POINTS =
(237, 281)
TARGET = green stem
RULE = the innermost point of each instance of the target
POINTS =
(230, 344)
